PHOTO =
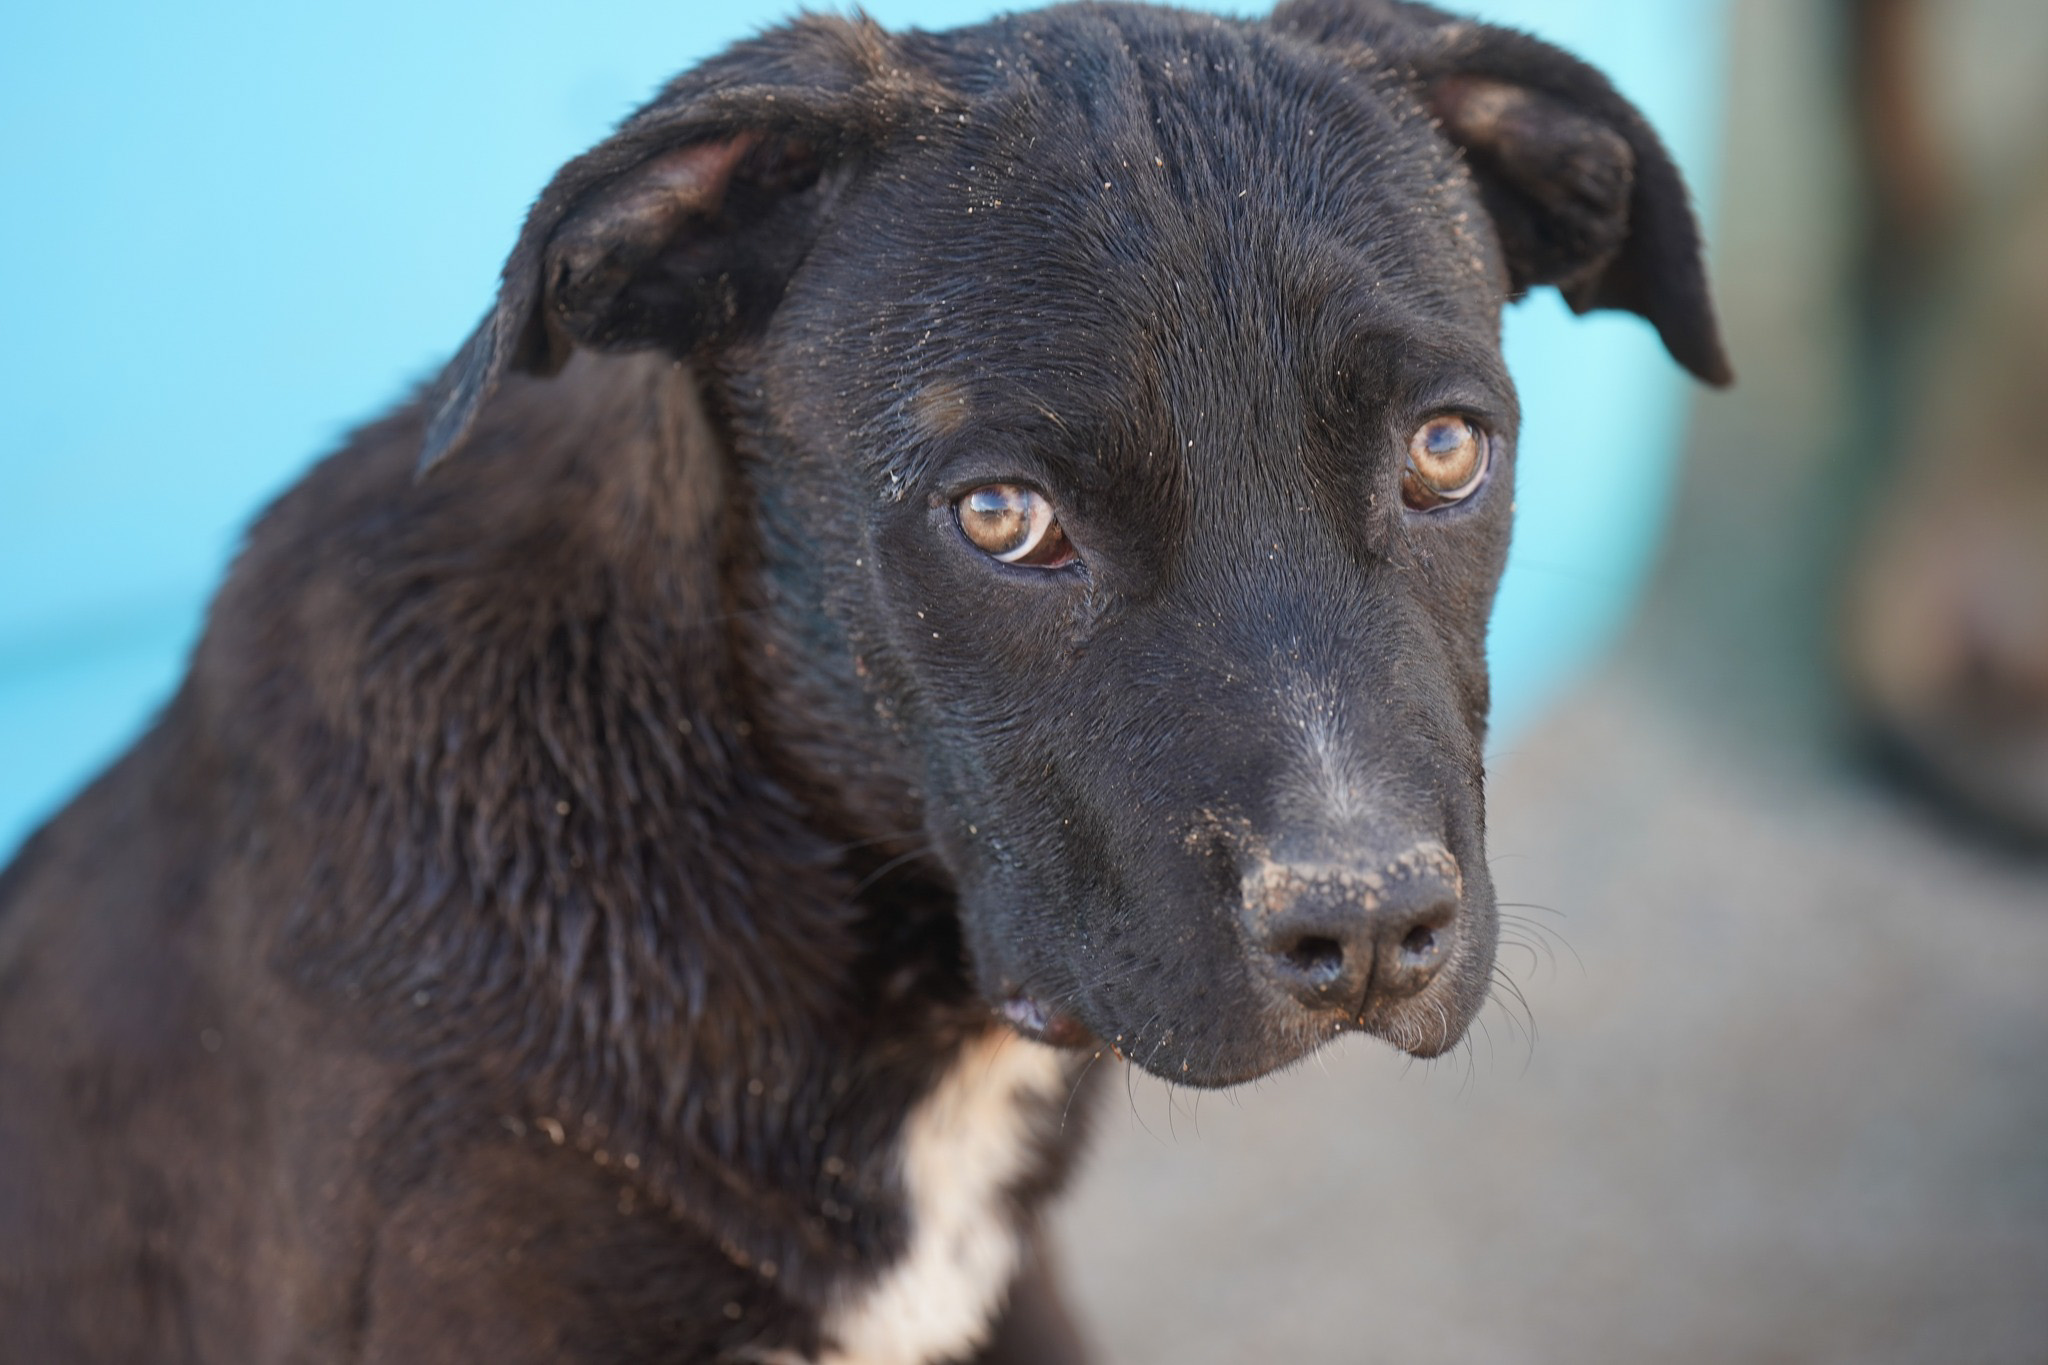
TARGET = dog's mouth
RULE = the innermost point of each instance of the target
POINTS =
(1042, 1023)
(1275, 1036)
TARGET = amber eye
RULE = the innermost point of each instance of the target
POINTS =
(1014, 524)
(1447, 458)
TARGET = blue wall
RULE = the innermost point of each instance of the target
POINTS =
(234, 229)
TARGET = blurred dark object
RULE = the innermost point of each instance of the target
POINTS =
(1946, 641)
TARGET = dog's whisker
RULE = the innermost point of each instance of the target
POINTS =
(1546, 934)
(856, 845)
(867, 883)
(1526, 1022)
(1511, 942)
(1075, 1089)
(1532, 905)
(1131, 1098)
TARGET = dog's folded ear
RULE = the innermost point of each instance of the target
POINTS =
(683, 228)
(1580, 189)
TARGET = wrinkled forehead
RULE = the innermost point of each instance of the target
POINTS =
(1157, 226)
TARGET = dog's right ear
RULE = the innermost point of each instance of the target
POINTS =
(683, 228)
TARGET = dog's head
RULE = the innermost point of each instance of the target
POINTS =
(1126, 463)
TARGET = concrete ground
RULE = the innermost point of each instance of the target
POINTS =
(1788, 1100)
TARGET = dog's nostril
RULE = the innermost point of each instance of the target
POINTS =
(1419, 944)
(1318, 961)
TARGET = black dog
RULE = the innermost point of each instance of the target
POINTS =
(943, 537)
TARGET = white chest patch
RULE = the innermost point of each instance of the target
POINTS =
(962, 1147)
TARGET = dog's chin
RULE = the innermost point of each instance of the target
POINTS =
(1032, 1018)
(1277, 1037)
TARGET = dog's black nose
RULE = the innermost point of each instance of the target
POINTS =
(1336, 936)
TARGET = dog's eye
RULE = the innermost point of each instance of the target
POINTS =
(1014, 524)
(1447, 459)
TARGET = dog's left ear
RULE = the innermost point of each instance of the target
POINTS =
(1579, 187)
(683, 228)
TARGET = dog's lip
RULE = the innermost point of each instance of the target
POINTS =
(1044, 1024)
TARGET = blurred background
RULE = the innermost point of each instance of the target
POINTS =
(1770, 783)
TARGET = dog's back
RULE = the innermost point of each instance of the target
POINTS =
(153, 1084)
(108, 1035)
